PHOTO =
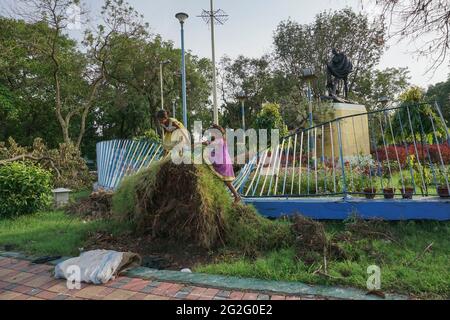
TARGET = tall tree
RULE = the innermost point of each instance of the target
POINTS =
(300, 46)
(250, 77)
(134, 66)
(374, 84)
(24, 77)
(76, 78)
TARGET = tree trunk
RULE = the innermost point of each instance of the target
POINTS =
(86, 109)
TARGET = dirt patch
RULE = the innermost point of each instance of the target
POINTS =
(155, 253)
(97, 206)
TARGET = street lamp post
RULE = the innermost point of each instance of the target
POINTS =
(161, 64)
(174, 108)
(383, 101)
(308, 75)
(216, 112)
(181, 16)
(241, 97)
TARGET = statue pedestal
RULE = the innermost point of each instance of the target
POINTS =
(354, 131)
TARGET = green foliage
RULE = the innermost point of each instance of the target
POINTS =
(68, 168)
(130, 103)
(405, 181)
(443, 179)
(151, 135)
(7, 110)
(300, 45)
(25, 80)
(374, 84)
(297, 46)
(440, 93)
(270, 118)
(24, 189)
(254, 78)
(109, 83)
(419, 114)
(412, 95)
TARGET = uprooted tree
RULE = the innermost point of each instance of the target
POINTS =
(67, 166)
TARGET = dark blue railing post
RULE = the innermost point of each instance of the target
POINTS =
(341, 158)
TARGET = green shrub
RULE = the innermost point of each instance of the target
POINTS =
(24, 189)
(151, 135)
(270, 118)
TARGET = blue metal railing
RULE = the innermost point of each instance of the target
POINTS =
(399, 147)
(117, 159)
(395, 147)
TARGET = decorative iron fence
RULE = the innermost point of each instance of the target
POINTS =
(395, 151)
(119, 158)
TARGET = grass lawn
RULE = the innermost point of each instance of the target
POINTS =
(51, 232)
(405, 268)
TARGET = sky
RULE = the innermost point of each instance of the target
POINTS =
(250, 26)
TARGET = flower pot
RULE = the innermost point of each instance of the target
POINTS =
(443, 192)
(370, 193)
(407, 193)
(388, 193)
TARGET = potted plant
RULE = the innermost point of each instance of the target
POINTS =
(369, 188)
(442, 188)
(407, 187)
(388, 190)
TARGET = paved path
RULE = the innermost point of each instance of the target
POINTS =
(21, 280)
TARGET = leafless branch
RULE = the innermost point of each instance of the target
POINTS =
(426, 22)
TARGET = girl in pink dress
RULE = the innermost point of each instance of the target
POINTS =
(220, 161)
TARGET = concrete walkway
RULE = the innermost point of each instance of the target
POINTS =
(22, 280)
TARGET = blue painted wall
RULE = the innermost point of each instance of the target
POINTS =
(339, 209)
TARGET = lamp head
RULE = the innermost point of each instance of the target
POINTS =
(181, 16)
(383, 100)
(308, 74)
(241, 96)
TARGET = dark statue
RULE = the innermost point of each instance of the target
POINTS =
(338, 69)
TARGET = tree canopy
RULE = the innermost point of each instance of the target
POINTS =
(105, 87)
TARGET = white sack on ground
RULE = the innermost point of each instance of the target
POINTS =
(98, 266)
